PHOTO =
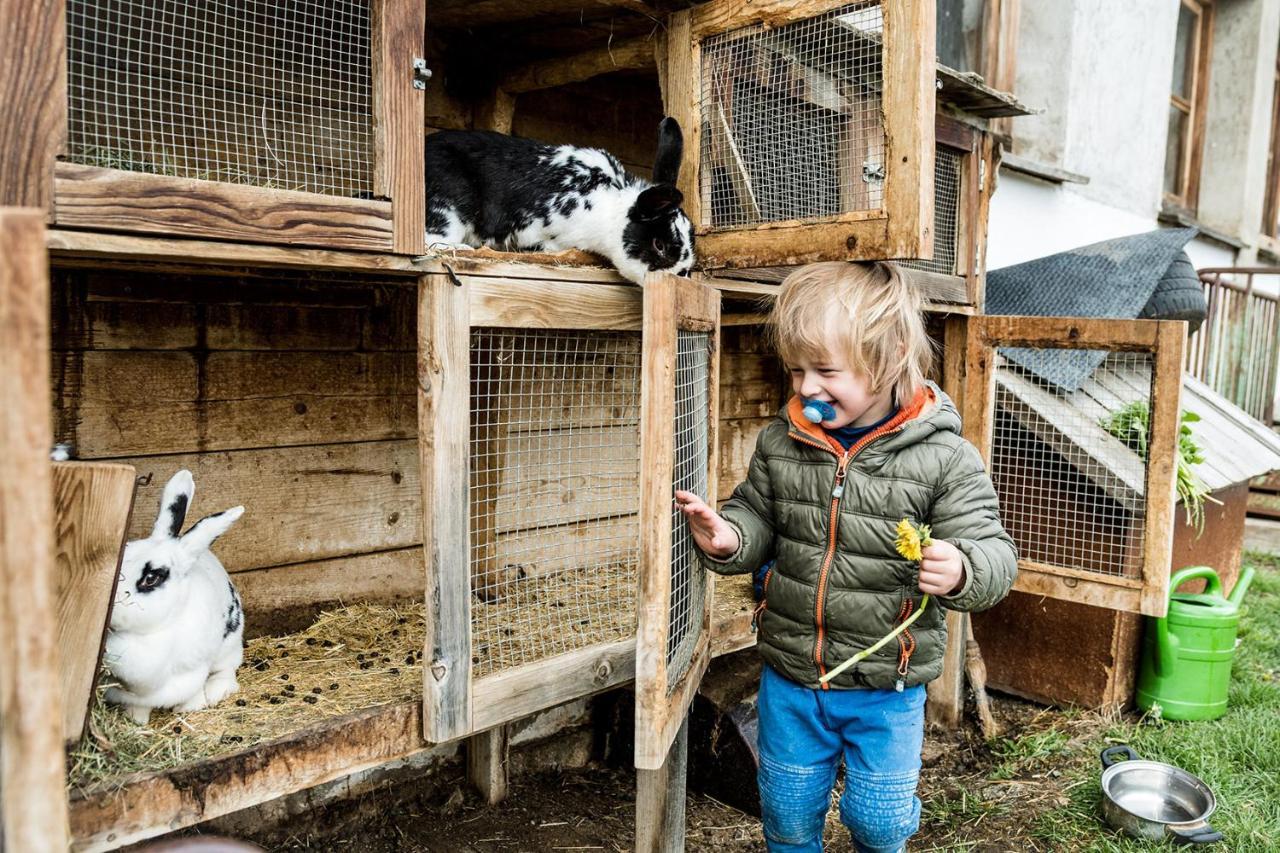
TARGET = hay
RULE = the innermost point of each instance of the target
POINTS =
(351, 659)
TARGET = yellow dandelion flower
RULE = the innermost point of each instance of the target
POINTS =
(912, 539)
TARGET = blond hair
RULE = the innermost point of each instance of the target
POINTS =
(867, 313)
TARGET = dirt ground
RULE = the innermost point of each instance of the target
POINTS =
(593, 808)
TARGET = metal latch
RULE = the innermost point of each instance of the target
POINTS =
(872, 172)
(421, 73)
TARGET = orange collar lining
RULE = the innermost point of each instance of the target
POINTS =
(801, 424)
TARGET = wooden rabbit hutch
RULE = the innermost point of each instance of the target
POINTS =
(470, 454)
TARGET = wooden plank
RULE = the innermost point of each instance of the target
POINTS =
(541, 266)
(1051, 583)
(719, 16)
(153, 804)
(448, 14)
(660, 799)
(795, 244)
(1162, 495)
(91, 505)
(544, 550)
(657, 395)
(524, 690)
(282, 599)
(681, 100)
(635, 54)
(32, 794)
(304, 503)
(487, 764)
(125, 403)
(552, 305)
(443, 414)
(33, 88)
(909, 99)
(398, 28)
(92, 197)
(198, 255)
(1070, 333)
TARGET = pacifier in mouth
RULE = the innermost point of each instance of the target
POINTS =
(817, 411)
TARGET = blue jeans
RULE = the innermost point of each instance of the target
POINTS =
(804, 733)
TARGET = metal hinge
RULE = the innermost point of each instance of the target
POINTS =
(421, 73)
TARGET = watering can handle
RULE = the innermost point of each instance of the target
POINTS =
(1213, 584)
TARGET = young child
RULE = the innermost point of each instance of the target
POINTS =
(823, 502)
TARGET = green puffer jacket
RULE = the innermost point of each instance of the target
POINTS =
(838, 584)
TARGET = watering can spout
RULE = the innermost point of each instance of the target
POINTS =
(1242, 585)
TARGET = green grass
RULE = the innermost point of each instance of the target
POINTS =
(1029, 753)
(1238, 756)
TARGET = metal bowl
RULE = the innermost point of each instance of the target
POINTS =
(1155, 801)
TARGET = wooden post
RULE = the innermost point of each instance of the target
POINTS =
(946, 693)
(33, 797)
(399, 113)
(487, 763)
(443, 383)
(33, 88)
(660, 794)
(496, 112)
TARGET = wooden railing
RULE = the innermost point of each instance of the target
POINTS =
(1236, 349)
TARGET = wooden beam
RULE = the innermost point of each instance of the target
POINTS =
(482, 13)
(909, 127)
(33, 803)
(93, 197)
(91, 506)
(634, 54)
(487, 763)
(496, 112)
(1162, 493)
(444, 332)
(33, 89)
(553, 305)
(660, 800)
(680, 100)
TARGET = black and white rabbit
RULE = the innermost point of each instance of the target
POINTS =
(513, 194)
(177, 626)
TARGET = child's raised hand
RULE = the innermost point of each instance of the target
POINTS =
(710, 532)
(941, 568)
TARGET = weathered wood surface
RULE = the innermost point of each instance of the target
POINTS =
(93, 197)
(32, 797)
(626, 55)
(91, 505)
(553, 305)
(487, 764)
(33, 88)
(660, 798)
(399, 111)
(909, 101)
(443, 431)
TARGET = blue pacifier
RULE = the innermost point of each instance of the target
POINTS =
(817, 411)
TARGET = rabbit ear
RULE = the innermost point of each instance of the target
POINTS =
(174, 504)
(666, 166)
(209, 528)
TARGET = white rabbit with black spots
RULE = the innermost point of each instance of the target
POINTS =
(177, 626)
(514, 194)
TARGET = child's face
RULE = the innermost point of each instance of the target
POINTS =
(831, 380)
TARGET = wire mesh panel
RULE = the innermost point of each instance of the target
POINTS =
(554, 459)
(946, 213)
(688, 577)
(792, 119)
(1077, 419)
(1070, 465)
(260, 92)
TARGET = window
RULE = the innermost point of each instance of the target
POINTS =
(1187, 104)
(1271, 211)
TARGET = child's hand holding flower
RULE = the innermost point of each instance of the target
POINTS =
(941, 565)
(941, 569)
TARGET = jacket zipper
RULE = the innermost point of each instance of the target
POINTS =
(837, 492)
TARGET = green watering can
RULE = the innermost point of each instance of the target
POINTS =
(1186, 661)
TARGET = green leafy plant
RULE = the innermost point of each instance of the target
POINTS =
(1131, 424)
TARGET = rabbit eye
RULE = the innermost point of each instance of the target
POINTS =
(659, 245)
(152, 578)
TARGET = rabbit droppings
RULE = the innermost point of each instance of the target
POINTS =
(177, 626)
(514, 194)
